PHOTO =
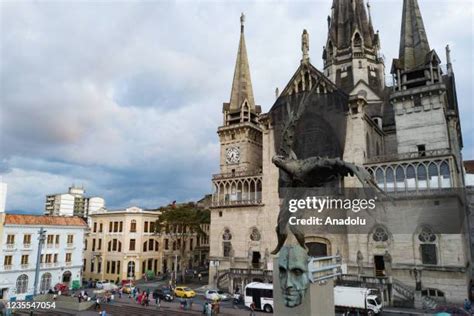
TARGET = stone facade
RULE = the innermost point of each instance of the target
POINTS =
(406, 135)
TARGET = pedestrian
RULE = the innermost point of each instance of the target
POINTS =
(103, 313)
(112, 298)
(97, 303)
(204, 308)
(252, 309)
(120, 292)
(209, 309)
(467, 305)
(199, 276)
(158, 301)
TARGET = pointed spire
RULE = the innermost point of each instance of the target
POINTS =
(414, 44)
(242, 83)
(347, 18)
(305, 46)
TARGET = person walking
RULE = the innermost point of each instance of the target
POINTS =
(252, 309)
(199, 276)
(97, 303)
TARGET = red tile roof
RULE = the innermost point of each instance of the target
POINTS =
(469, 165)
(16, 219)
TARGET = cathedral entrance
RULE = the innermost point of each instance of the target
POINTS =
(256, 259)
(379, 264)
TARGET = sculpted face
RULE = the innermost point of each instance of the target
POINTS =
(293, 267)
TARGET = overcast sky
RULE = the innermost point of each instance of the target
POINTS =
(125, 98)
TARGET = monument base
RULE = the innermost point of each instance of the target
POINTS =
(418, 300)
(318, 301)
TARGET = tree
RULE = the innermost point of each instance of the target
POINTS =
(180, 223)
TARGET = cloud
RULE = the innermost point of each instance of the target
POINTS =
(125, 97)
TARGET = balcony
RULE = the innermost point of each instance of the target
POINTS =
(7, 267)
(27, 247)
(228, 203)
(9, 247)
(237, 174)
(49, 246)
(25, 265)
(69, 245)
(68, 263)
(410, 156)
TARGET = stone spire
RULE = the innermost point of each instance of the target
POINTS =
(414, 44)
(305, 46)
(347, 18)
(242, 84)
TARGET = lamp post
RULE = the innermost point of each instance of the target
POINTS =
(41, 238)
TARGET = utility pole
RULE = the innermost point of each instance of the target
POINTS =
(41, 239)
(175, 269)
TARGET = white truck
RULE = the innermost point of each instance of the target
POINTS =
(357, 299)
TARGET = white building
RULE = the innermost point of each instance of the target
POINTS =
(73, 203)
(61, 256)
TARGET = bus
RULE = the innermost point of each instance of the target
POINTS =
(261, 294)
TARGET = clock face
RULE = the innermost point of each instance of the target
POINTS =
(232, 155)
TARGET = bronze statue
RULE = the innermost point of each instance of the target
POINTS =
(314, 171)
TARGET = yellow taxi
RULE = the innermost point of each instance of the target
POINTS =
(183, 291)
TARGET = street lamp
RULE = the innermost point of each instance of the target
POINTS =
(41, 239)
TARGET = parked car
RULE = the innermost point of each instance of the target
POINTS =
(105, 285)
(183, 291)
(217, 295)
(450, 310)
(163, 293)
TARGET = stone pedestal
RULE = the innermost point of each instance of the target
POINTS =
(318, 301)
(418, 300)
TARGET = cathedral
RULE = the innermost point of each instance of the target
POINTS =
(406, 133)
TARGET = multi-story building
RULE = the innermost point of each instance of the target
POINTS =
(121, 244)
(73, 203)
(407, 135)
(61, 256)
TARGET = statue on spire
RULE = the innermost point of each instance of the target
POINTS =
(305, 46)
(242, 21)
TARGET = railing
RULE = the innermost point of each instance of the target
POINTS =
(404, 290)
(25, 266)
(68, 263)
(236, 174)
(250, 272)
(237, 202)
(7, 267)
(410, 155)
(10, 247)
(70, 245)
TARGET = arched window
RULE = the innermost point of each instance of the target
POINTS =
(45, 282)
(433, 176)
(428, 250)
(379, 178)
(445, 175)
(380, 234)
(422, 177)
(22, 284)
(151, 244)
(357, 40)
(411, 178)
(400, 177)
(390, 179)
(226, 245)
(133, 226)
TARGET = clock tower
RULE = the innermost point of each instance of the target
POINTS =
(240, 136)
